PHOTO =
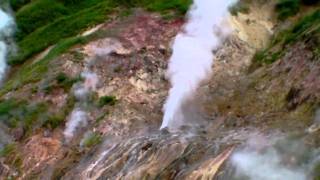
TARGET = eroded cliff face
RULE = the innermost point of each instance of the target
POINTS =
(267, 109)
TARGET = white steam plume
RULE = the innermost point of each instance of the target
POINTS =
(277, 160)
(192, 56)
(6, 30)
(77, 119)
(90, 84)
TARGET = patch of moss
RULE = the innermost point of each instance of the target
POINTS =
(267, 57)
(239, 7)
(317, 171)
(287, 8)
(101, 117)
(12, 156)
(91, 140)
(65, 82)
(305, 29)
(15, 113)
(7, 149)
(107, 100)
(54, 120)
(17, 4)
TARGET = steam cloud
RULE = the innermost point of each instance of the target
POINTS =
(90, 84)
(280, 159)
(6, 30)
(192, 56)
(77, 119)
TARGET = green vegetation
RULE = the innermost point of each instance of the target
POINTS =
(38, 14)
(158, 5)
(305, 29)
(57, 23)
(62, 28)
(107, 100)
(12, 156)
(20, 113)
(7, 149)
(239, 7)
(92, 139)
(54, 120)
(317, 171)
(61, 80)
(34, 72)
(43, 23)
(17, 4)
(66, 82)
(16, 113)
(287, 8)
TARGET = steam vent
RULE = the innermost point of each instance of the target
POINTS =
(159, 89)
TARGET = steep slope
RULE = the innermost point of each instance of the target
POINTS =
(255, 104)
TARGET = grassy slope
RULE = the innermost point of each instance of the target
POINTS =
(67, 18)
(305, 29)
(43, 23)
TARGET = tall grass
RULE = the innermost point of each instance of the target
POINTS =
(306, 28)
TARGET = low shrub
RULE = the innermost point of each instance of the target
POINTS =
(239, 7)
(91, 140)
(15, 113)
(107, 100)
(7, 149)
(287, 8)
(17, 4)
(305, 29)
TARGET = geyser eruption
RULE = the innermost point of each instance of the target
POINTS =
(6, 30)
(192, 56)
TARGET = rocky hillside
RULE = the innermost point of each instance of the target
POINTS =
(84, 95)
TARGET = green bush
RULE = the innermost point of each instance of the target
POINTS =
(66, 82)
(239, 7)
(7, 149)
(287, 8)
(306, 28)
(17, 4)
(53, 121)
(16, 113)
(38, 14)
(91, 140)
(107, 100)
